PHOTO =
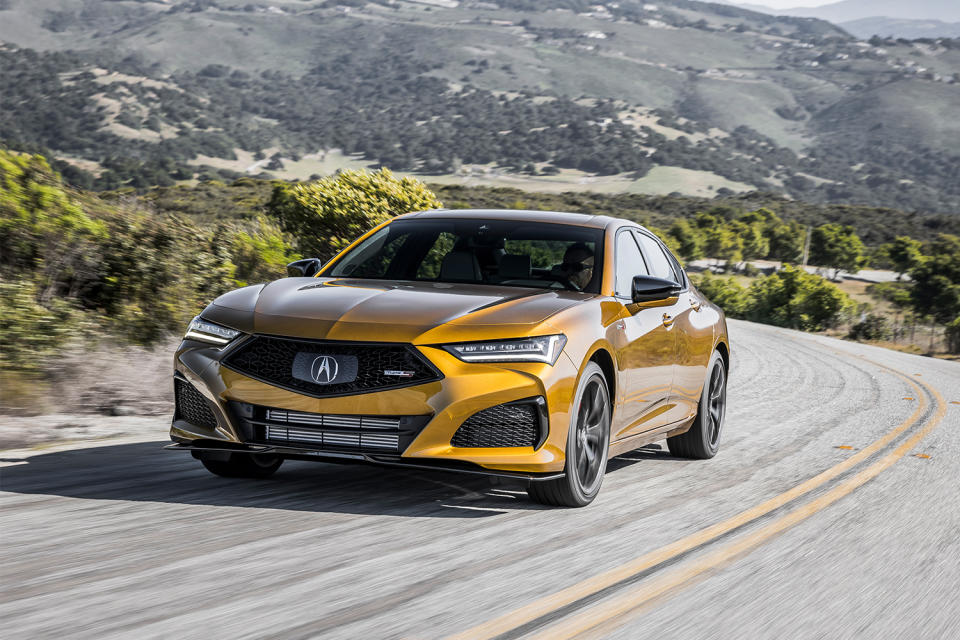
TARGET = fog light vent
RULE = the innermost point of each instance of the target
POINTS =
(516, 424)
(191, 406)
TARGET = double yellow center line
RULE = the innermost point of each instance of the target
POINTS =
(545, 610)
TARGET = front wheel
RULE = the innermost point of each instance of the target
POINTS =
(702, 441)
(241, 465)
(588, 443)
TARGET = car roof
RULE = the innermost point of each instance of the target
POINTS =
(519, 215)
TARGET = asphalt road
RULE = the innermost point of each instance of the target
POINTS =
(124, 540)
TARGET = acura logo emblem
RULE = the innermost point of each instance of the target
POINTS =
(324, 369)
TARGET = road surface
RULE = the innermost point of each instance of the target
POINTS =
(832, 511)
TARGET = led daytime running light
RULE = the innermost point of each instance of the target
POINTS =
(537, 349)
(204, 331)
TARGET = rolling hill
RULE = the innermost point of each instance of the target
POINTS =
(896, 18)
(552, 95)
(901, 28)
(848, 10)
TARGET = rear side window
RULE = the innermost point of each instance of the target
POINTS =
(630, 263)
(660, 265)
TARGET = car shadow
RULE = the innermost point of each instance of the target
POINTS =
(648, 453)
(143, 472)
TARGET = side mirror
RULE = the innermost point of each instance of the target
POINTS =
(650, 289)
(305, 268)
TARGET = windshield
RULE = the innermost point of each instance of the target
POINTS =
(501, 252)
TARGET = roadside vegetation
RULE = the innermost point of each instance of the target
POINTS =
(78, 269)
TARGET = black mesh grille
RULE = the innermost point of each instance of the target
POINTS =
(505, 425)
(192, 406)
(271, 360)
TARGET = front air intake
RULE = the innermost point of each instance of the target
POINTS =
(326, 431)
(191, 406)
(515, 424)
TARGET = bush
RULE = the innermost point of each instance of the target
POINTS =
(327, 215)
(896, 293)
(873, 327)
(44, 229)
(261, 254)
(726, 293)
(796, 299)
(30, 332)
(789, 298)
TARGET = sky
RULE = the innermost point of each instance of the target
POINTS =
(787, 4)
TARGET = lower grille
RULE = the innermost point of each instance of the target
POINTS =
(385, 434)
(191, 406)
(384, 441)
(516, 424)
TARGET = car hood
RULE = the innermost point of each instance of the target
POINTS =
(382, 311)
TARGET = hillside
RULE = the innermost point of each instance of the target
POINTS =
(897, 18)
(551, 95)
(848, 10)
(901, 28)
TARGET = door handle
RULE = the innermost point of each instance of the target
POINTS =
(696, 304)
(667, 320)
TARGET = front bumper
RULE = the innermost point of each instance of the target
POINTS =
(432, 412)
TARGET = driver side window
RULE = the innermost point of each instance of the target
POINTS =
(629, 263)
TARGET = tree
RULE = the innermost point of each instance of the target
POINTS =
(794, 298)
(689, 240)
(788, 298)
(754, 241)
(904, 254)
(726, 293)
(327, 215)
(724, 244)
(837, 247)
(936, 280)
(786, 241)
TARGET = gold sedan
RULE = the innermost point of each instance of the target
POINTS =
(525, 344)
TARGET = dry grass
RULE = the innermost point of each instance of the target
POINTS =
(106, 380)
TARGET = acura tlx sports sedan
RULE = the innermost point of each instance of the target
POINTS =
(525, 344)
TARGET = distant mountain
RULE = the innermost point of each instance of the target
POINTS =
(900, 28)
(849, 10)
(648, 96)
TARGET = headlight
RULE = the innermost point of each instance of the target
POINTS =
(204, 331)
(539, 349)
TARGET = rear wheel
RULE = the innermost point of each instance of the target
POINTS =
(588, 443)
(702, 441)
(241, 465)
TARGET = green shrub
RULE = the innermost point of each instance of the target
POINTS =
(873, 327)
(788, 298)
(327, 215)
(44, 230)
(726, 293)
(796, 299)
(29, 332)
(260, 254)
(896, 293)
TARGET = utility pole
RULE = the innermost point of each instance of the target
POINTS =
(806, 247)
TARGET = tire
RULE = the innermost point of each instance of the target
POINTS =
(588, 444)
(702, 441)
(241, 465)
